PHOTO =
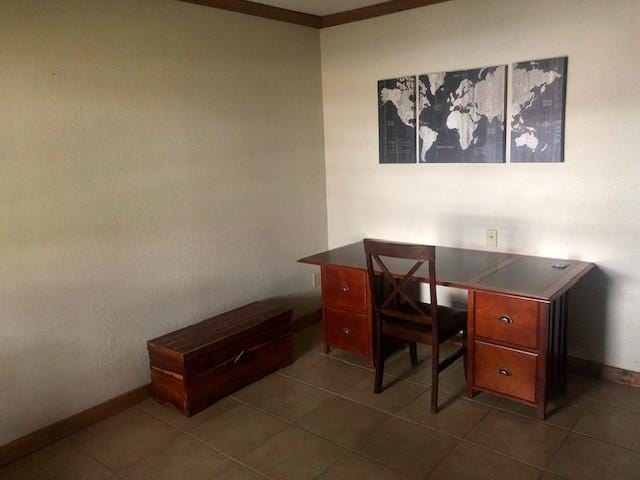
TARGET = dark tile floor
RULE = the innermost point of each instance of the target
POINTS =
(318, 418)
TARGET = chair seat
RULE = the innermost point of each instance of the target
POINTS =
(405, 323)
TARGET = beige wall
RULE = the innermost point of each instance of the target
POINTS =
(587, 208)
(160, 162)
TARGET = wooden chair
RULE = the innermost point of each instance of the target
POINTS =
(397, 315)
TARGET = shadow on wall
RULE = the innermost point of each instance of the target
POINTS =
(588, 321)
(302, 304)
(589, 324)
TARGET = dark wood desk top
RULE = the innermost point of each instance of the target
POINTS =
(523, 275)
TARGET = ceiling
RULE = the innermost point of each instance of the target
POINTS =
(319, 7)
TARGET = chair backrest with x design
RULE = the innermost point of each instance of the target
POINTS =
(388, 290)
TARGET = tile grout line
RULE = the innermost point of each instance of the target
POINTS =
(393, 357)
(211, 447)
(393, 415)
(522, 415)
(288, 422)
(337, 395)
(502, 454)
(483, 447)
(347, 449)
(567, 430)
(301, 427)
(78, 447)
(568, 433)
(441, 461)
(396, 416)
(616, 405)
(466, 436)
(344, 454)
(397, 354)
(460, 440)
(555, 455)
(632, 450)
(266, 412)
(358, 452)
(117, 474)
(573, 430)
(399, 379)
(493, 408)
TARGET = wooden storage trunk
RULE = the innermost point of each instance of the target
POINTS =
(193, 367)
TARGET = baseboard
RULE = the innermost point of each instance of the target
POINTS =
(591, 369)
(605, 372)
(47, 435)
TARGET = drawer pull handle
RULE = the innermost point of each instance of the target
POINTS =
(504, 372)
(239, 356)
(506, 319)
(344, 289)
(346, 331)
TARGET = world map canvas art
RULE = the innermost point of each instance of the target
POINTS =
(537, 110)
(462, 116)
(397, 120)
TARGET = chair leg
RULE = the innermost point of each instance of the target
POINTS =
(377, 386)
(413, 353)
(435, 361)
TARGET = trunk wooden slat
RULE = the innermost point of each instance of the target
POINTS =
(193, 367)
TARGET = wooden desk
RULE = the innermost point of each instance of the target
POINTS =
(517, 320)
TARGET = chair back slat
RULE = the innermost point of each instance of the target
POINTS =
(409, 251)
(388, 290)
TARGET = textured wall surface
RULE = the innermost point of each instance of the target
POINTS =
(586, 208)
(160, 162)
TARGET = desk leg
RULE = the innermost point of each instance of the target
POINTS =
(564, 320)
(325, 344)
(470, 346)
(545, 357)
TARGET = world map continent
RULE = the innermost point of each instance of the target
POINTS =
(461, 115)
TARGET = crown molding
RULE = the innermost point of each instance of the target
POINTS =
(372, 11)
(314, 21)
(261, 10)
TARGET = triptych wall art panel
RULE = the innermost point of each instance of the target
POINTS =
(397, 120)
(460, 116)
(537, 110)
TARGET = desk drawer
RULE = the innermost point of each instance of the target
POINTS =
(345, 288)
(504, 370)
(347, 330)
(507, 319)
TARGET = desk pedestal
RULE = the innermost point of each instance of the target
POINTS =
(517, 347)
(346, 311)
